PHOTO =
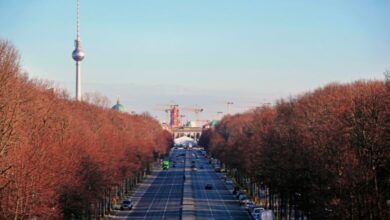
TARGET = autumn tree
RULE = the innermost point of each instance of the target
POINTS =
(325, 152)
(59, 157)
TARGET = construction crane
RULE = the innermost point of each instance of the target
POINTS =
(174, 116)
(164, 110)
(228, 104)
(196, 110)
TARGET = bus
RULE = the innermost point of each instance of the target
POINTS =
(165, 164)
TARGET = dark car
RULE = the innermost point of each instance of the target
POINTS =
(126, 204)
(236, 190)
(238, 194)
(208, 186)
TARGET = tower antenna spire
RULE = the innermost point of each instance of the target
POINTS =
(78, 54)
(78, 20)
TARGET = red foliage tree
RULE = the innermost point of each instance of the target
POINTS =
(57, 156)
(325, 152)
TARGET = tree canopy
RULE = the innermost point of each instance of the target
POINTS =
(53, 148)
(326, 151)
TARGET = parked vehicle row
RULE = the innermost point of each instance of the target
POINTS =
(256, 212)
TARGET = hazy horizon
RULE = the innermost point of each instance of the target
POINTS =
(202, 53)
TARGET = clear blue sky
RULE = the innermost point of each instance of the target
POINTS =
(202, 52)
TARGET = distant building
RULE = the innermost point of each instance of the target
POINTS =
(192, 132)
(175, 116)
(191, 124)
(118, 107)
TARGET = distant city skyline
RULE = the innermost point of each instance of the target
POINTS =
(201, 52)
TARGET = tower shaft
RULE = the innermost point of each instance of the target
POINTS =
(78, 54)
(78, 81)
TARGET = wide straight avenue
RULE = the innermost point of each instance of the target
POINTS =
(180, 192)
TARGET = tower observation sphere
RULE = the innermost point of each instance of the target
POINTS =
(78, 53)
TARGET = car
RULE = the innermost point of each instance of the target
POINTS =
(264, 214)
(242, 197)
(208, 186)
(250, 208)
(229, 182)
(238, 194)
(194, 169)
(236, 190)
(256, 212)
(267, 215)
(244, 201)
(249, 205)
(126, 204)
(217, 169)
(201, 167)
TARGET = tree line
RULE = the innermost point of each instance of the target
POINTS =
(324, 152)
(59, 156)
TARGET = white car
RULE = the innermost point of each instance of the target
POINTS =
(256, 213)
(267, 215)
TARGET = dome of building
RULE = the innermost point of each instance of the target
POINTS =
(118, 107)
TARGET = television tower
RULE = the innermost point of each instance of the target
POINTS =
(78, 55)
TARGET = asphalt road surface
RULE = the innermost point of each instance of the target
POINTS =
(179, 193)
(217, 203)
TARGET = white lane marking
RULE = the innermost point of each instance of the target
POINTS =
(142, 189)
(216, 181)
(158, 192)
(241, 209)
(203, 191)
(155, 195)
(169, 196)
(220, 196)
